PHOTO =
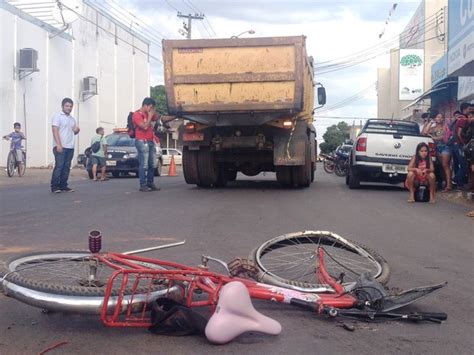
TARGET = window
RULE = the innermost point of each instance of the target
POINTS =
(120, 140)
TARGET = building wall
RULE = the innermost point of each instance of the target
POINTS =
(122, 76)
(434, 48)
(383, 93)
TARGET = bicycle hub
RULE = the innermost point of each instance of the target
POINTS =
(95, 241)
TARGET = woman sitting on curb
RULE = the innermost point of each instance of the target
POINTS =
(421, 172)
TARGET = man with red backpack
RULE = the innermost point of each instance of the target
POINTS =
(143, 121)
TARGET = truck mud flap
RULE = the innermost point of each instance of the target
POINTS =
(290, 146)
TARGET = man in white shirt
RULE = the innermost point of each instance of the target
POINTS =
(64, 130)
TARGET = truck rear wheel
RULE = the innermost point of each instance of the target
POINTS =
(283, 175)
(190, 167)
(207, 168)
(302, 173)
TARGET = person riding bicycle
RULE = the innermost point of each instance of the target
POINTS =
(16, 138)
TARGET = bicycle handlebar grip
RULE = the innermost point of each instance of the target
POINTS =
(438, 316)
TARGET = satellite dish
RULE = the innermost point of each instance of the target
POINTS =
(67, 11)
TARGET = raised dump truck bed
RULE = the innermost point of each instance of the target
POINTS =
(219, 76)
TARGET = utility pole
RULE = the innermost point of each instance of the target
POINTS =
(187, 28)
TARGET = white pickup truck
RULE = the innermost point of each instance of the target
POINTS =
(382, 151)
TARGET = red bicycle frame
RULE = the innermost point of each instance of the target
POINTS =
(129, 304)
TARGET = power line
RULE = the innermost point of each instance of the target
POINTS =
(364, 56)
(172, 6)
(348, 100)
(205, 17)
(361, 56)
(128, 17)
(369, 58)
(96, 24)
(405, 34)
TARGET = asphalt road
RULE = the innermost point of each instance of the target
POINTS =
(423, 243)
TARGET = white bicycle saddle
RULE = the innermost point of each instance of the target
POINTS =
(235, 315)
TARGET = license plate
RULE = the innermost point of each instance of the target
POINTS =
(187, 137)
(110, 163)
(393, 168)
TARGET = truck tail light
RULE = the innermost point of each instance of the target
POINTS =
(361, 144)
(432, 149)
(190, 127)
(288, 123)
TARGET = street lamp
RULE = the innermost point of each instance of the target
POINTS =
(250, 32)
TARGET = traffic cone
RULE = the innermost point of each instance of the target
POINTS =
(172, 169)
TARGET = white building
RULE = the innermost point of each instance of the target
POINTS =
(94, 44)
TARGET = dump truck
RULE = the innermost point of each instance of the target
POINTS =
(247, 105)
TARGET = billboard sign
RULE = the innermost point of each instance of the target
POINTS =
(411, 74)
(460, 33)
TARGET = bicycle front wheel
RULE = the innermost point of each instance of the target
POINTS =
(60, 281)
(290, 260)
(11, 164)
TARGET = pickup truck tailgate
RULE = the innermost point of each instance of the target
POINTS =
(394, 148)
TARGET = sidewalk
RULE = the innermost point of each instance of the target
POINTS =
(35, 176)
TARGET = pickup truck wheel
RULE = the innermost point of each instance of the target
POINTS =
(354, 181)
(190, 170)
(208, 171)
(313, 170)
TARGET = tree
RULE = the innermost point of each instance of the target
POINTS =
(334, 136)
(158, 93)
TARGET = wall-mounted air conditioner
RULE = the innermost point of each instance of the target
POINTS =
(89, 87)
(27, 62)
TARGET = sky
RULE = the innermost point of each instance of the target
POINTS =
(334, 30)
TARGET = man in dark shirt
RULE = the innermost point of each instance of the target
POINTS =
(460, 168)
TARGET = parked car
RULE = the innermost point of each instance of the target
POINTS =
(382, 151)
(121, 157)
(169, 152)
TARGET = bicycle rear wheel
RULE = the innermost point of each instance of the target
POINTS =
(290, 260)
(11, 164)
(59, 281)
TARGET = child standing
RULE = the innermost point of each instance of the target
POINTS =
(16, 138)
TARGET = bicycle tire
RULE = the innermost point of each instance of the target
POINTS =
(306, 281)
(11, 164)
(57, 294)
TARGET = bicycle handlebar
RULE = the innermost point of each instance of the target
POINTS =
(368, 314)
